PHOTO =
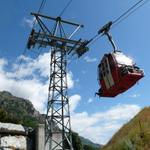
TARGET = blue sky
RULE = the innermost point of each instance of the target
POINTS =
(99, 118)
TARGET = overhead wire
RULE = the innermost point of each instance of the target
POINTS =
(42, 5)
(128, 11)
(94, 39)
(65, 8)
(115, 23)
(122, 17)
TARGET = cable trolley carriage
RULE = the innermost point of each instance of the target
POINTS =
(116, 72)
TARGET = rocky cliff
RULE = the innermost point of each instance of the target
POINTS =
(15, 137)
(18, 110)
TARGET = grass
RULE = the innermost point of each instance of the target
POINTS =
(135, 135)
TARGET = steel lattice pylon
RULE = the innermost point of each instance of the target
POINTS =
(57, 126)
(58, 116)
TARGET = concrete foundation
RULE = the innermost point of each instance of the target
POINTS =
(40, 139)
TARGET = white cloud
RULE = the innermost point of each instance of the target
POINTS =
(70, 81)
(88, 59)
(3, 62)
(29, 22)
(31, 81)
(100, 126)
(135, 95)
(74, 101)
(30, 68)
(90, 100)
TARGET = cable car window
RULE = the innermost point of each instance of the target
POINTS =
(106, 66)
(99, 73)
(111, 62)
(106, 62)
(123, 59)
(107, 71)
(103, 74)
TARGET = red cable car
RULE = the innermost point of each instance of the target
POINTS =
(116, 72)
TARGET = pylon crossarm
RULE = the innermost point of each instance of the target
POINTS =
(56, 19)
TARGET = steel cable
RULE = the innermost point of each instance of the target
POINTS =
(122, 17)
(65, 8)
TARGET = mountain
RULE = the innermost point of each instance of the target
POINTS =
(135, 135)
(87, 142)
(81, 143)
(18, 110)
(21, 111)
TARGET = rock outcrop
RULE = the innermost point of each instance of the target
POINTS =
(14, 137)
(12, 128)
(14, 142)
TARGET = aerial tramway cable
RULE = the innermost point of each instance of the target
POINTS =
(130, 11)
(118, 20)
(42, 5)
(65, 8)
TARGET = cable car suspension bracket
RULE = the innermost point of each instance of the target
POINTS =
(105, 31)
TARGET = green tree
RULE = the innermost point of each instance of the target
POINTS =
(88, 147)
(3, 115)
(76, 141)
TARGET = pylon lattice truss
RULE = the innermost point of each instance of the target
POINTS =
(58, 127)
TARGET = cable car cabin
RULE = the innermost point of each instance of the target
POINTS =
(117, 73)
